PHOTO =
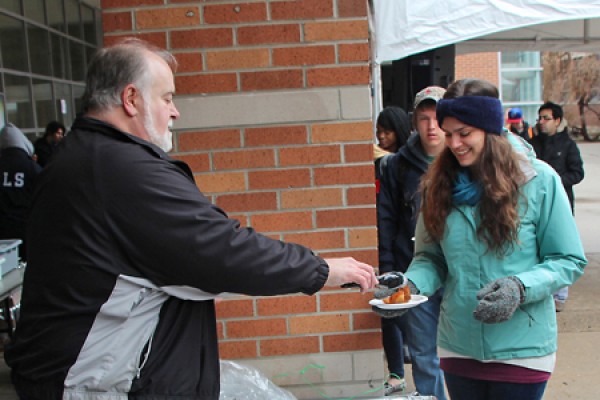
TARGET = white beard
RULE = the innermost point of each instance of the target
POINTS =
(162, 140)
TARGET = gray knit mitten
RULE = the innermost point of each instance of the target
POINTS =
(384, 292)
(387, 313)
(499, 299)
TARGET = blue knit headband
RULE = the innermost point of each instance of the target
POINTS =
(481, 112)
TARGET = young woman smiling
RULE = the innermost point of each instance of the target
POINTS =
(496, 231)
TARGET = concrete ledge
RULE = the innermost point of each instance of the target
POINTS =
(266, 108)
(331, 375)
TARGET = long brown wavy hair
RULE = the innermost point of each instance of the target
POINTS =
(498, 171)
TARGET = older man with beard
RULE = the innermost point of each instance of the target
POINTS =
(126, 254)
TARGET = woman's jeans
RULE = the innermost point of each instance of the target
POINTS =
(461, 388)
(418, 328)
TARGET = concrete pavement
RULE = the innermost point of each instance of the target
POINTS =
(578, 358)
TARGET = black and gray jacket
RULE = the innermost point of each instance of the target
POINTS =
(398, 207)
(126, 257)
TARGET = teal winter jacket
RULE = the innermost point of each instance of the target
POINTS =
(549, 255)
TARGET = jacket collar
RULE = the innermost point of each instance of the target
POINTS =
(104, 128)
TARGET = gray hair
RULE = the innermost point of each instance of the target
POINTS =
(112, 68)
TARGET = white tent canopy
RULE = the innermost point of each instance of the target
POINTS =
(402, 27)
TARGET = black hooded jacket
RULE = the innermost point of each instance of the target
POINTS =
(399, 202)
(562, 153)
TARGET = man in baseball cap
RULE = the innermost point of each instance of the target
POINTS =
(434, 93)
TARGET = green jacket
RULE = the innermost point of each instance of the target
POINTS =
(549, 256)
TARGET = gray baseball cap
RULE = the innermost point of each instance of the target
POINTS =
(435, 93)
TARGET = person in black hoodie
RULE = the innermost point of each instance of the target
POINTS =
(18, 172)
(399, 202)
(46, 145)
(555, 146)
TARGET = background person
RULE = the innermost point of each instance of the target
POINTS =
(517, 125)
(393, 130)
(399, 203)
(497, 233)
(555, 146)
(45, 146)
(137, 254)
(18, 172)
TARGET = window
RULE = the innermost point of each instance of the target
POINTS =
(45, 46)
(521, 78)
(12, 44)
(18, 101)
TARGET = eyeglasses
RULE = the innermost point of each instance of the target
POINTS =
(545, 118)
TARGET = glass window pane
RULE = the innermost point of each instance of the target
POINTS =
(521, 85)
(12, 44)
(12, 5)
(78, 65)
(59, 56)
(89, 53)
(530, 113)
(521, 59)
(18, 101)
(90, 31)
(64, 103)
(78, 94)
(56, 17)
(44, 104)
(34, 9)
(39, 50)
(73, 18)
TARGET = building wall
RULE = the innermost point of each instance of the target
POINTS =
(478, 65)
(276, 125)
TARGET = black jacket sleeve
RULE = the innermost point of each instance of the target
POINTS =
(172, 232)
(574, 166)
(387, 214)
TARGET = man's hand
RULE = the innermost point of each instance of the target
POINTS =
(347, 269)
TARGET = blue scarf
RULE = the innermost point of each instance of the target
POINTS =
(466, 191)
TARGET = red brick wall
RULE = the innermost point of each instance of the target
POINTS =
(310, 183)
(478, 65)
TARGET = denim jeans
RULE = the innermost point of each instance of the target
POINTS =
(393, 342)
(418, 327)
(473, 389)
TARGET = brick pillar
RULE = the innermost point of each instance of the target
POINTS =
(276, 125)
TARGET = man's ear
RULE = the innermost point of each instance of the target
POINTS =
(131, 97)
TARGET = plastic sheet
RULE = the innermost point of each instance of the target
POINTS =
(240, 382)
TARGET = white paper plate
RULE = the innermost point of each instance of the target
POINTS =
(414, 301)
